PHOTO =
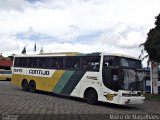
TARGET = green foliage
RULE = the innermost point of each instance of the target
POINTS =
(5, 58)
(152, 44)
(152, 97)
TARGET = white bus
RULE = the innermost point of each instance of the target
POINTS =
(95, 77)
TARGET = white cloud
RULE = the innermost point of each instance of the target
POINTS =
(12, 4)
(121, 25)
(123, 36)
(9, 44)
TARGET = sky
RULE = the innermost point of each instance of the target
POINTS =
(111, 26)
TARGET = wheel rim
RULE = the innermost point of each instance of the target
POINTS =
(25, 86)
(32, 87)
(91, 97)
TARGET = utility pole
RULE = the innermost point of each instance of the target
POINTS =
(151, 77)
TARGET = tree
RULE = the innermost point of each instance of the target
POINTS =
(152, 44)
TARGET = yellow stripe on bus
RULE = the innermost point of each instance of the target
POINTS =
(14, 80)
(42, 83)
(51, 83)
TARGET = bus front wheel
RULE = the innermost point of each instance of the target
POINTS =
(25, 85)
(32, 87)
(91, 96)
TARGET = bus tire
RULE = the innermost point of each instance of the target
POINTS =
(32, 87)
(91, 96)
(25, 85)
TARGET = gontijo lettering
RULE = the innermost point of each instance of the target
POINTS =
(39, 72)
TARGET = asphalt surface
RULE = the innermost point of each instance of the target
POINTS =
(17, 104)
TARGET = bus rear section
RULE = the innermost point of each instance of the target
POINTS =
(60, 73)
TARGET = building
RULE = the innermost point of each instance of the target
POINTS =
(5, 64)
(147, 80)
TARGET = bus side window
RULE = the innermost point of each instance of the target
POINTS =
(60, 63)
(31, 62)
(95, 61)
(22, 62)
(96, 67)
(46, 62)
(91, 63)
(106, 63)
(85, 62)
(110, 61)
(76, 63)
(54, 63)
(41, 63)
(16, 62)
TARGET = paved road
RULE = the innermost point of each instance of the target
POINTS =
(42, 105)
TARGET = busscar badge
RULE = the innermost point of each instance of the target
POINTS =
(110, 96)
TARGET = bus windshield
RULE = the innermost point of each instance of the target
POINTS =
(132, 63)
(120, 73)
(122, 62)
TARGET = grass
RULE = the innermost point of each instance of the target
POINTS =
(152, 97)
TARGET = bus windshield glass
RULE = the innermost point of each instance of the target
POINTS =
(132, 63)
(122, 73)
(122, 62)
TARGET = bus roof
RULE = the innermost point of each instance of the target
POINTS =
(75, 54)
(59, 54)
(121, 55)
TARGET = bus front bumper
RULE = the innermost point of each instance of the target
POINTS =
(131, 100)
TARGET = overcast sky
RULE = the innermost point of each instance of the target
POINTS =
(76, 25)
